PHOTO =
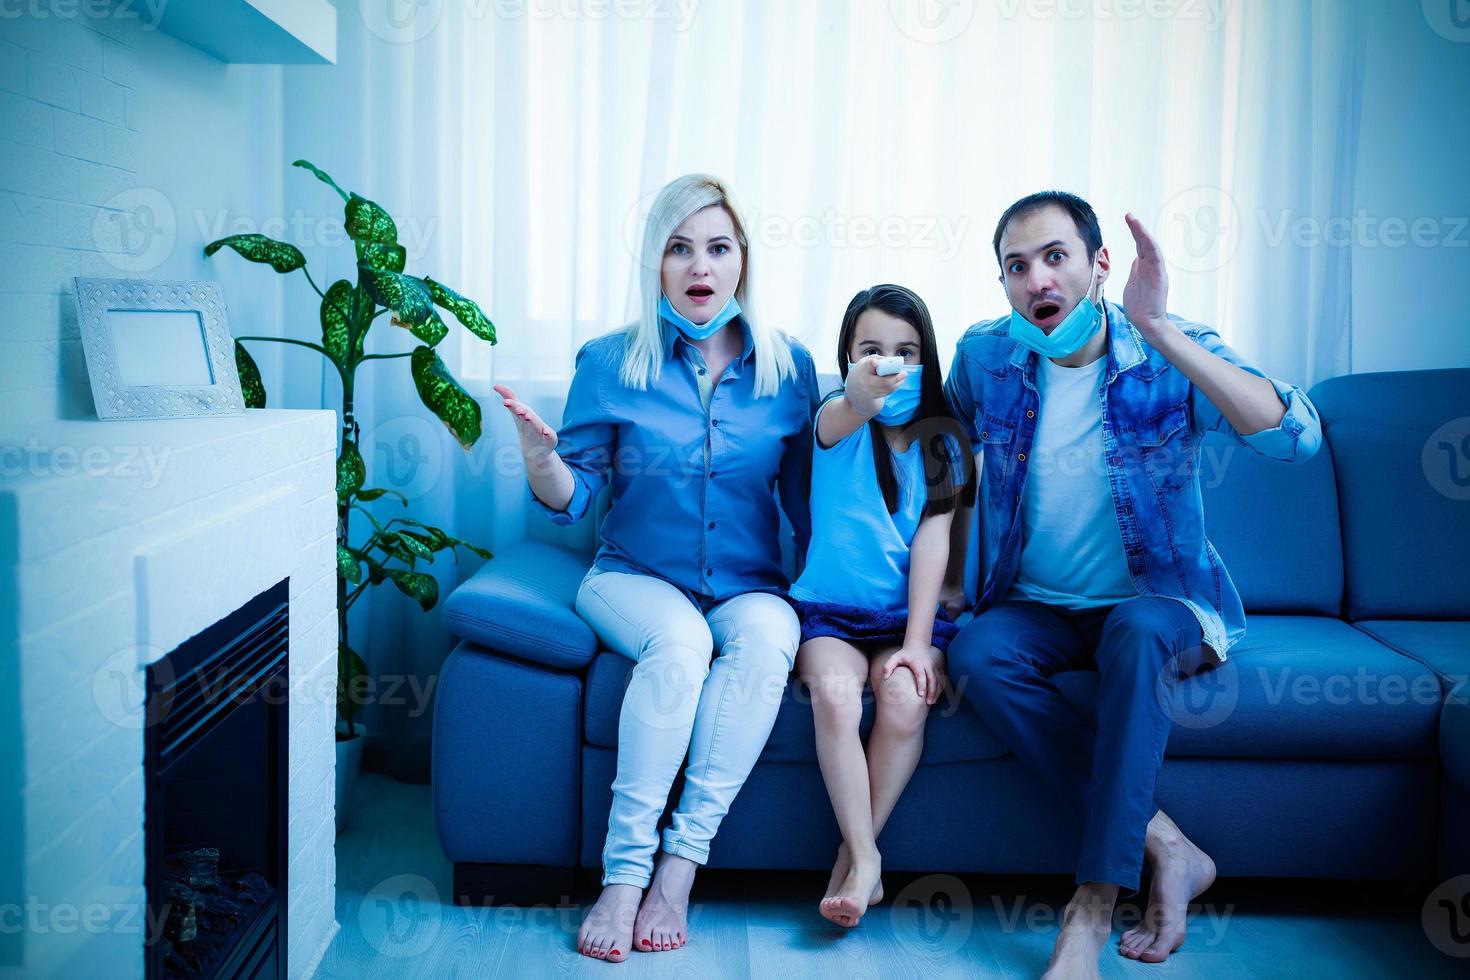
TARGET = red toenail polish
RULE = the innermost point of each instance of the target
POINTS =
(616, 953)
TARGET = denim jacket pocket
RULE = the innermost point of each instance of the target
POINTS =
(1165, 446)
(996, 437)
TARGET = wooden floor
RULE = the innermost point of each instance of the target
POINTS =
(393, 884)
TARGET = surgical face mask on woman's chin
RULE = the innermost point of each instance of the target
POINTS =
(698, 331)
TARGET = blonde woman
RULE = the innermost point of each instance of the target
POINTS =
(693, 414)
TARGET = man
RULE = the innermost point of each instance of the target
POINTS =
(1088, 417)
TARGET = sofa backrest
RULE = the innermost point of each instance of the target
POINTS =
(1275, 526)
(1401, 444)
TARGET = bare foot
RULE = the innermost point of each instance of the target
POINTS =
(846, 905)
(607, 929)
(1086, 926)
(663, 918)
(1181, 872)
(839, 874)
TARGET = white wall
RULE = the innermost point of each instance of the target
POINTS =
(117, 142)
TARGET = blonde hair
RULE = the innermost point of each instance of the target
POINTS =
(644, 354)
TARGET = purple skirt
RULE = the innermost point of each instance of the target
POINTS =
(864, 626)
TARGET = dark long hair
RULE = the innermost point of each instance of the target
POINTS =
(944, 444)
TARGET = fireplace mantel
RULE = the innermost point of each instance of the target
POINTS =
(120, 540)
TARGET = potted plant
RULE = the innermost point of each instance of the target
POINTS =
(393, 549)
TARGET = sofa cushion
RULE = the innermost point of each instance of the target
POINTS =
(1398, 442)
(522, 602)
(1303, 687)
(1442, 646)
(1296, 687)
(954, 732)
(1454, 740)
(1269, 520)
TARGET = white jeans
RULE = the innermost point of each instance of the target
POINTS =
(678, 702)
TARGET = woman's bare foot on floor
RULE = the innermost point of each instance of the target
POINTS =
(1181, 872)
(607, 929)
(1086, 926)
(846, 905)
(663, 919)
(839, 874)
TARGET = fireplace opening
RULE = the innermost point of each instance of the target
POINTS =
(216, 768)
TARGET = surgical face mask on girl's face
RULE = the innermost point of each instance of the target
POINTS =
(900, 406)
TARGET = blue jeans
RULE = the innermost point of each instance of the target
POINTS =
(1103, 775)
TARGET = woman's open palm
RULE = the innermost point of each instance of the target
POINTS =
(534, 433)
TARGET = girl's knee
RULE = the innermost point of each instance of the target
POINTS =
(901, 711)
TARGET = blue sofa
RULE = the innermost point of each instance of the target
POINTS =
(1334, 743)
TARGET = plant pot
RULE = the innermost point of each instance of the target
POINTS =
(349, 763)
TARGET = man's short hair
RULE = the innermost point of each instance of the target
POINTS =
(1081, 212)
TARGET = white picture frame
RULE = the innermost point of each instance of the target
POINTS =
(157, 348)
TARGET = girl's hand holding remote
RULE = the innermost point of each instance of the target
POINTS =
(866, 389)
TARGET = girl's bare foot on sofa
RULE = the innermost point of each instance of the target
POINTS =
(839, 874)
(663, 920)
(847, 905)
(607, 929)
(1181, 872)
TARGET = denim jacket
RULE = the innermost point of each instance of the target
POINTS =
(1153, 419)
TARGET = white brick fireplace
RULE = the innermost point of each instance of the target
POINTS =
(118, 541)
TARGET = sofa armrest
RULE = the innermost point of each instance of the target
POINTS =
(1454, 736)
(522, 603)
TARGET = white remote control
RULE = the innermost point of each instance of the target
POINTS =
(889, 365)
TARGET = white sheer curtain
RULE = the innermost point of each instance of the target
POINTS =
(868, 141)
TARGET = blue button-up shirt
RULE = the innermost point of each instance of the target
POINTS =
(1153, 418)
(693, 488)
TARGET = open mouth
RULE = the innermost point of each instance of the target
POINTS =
(699, 292)
(1045, 311)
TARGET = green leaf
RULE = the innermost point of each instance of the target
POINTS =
(444, 397)
(466, 311)
(351, 470)
(347, 565)
(377, 571)
(380, 255)
(376, 492)
(321, 176)
(414, 545)
(409, 300)
(352, 682)
(419, 586)
(281, 256)
(336, 309)
(390, 543)
(251, 387)
(367, 222)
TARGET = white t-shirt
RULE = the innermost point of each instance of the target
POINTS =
(1071, 548)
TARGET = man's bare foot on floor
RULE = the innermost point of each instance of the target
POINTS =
(1181, 872)
(846, 905)
(840, 868)
(1086, 925)
(663, 919)
(607, 928)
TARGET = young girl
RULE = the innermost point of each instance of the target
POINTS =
(886, 473)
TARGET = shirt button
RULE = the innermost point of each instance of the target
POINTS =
(1021, 457)
(709, 571)
(712, 525)
(714, 422)
(702, 371)
(1030, 414)
(985, 435)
